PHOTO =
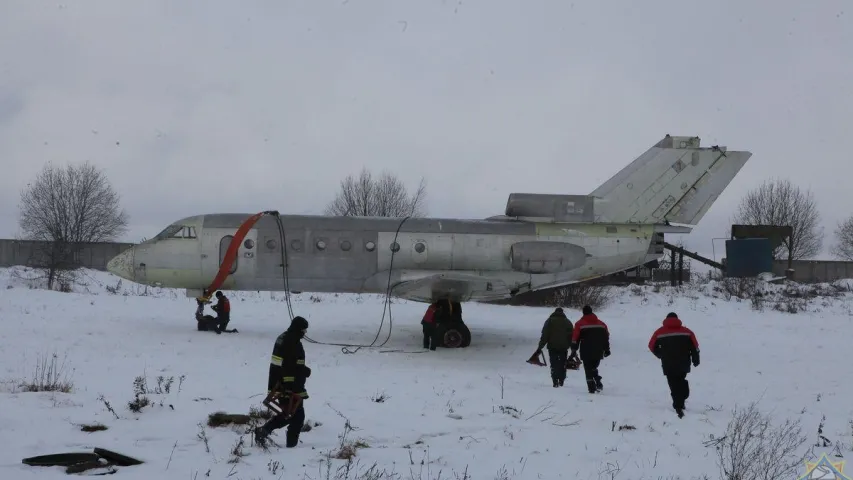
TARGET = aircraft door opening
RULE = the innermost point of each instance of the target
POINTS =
(224, 243)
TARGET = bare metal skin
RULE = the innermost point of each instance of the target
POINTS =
(542, 241)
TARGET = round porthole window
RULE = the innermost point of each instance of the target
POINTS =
(395, 247)
(345, 245)
(420, 247)
(370, 246)
(271, 244)
(249, 243)
(296, 245)
(321, 245)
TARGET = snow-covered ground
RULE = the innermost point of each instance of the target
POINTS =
(480, 409)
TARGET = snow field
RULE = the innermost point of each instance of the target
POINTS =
(481, 408)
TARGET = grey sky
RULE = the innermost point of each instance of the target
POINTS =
(248, 106)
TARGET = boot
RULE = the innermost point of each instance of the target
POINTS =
(590, 385)
(292, 439)
(598, 385)
(556, 382)
(261, 435)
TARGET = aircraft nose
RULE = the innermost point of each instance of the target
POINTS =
(122, 264)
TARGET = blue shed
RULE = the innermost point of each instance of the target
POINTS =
(748, 257)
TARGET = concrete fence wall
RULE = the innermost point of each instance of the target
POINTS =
(815, 271)
(25, 252)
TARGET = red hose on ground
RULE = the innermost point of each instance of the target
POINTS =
(231, 254)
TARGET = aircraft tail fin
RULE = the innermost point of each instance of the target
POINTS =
(676, 180)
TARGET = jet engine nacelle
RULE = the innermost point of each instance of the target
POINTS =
(546, 257)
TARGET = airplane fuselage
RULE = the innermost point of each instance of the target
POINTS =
(355, 254)
(541, 241)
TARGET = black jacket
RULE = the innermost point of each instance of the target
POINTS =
(287, 364)
(675, 345)
(592, 337)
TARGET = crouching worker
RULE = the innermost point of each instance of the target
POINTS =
(223, 312)
(430, 327)
(286, 384)
(205, 322)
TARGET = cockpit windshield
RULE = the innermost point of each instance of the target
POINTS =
(176, 231)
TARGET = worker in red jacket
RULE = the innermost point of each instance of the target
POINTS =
(223, 312)
(429, 323)
(593, 338)
(676, 347)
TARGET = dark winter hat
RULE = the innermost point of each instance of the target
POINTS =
(558, 310)
(671, 315)
(298, 323)
(587, 310)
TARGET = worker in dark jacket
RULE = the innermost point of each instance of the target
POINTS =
(676, 347)
(557, 336)
(593, 338)
(448, 311)
(287, 376)
(204, 322)
(223, 312)
(429, 322)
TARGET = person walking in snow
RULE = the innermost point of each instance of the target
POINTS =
(592, 337)
(557, 336)
(287, 377)
(676, 347)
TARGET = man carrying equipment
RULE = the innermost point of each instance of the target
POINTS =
(676, 347)
(557, 335)
(286, 384)
(593, 338)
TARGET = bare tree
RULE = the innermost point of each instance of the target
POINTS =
(843, 247)
(386, 196)
(781, 203)
(65, 208)
(753, 449)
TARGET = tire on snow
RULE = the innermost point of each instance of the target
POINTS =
(454, 335)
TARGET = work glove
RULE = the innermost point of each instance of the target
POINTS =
(606, 353)
(695, 362)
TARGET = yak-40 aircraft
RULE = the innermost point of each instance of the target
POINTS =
(541, 241)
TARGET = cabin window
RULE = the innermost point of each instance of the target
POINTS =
(249, 243)
(395, 247)
(346, 245)
(296, 245)
(223, 249)
(185, 232)
(176, 231)
(420, 247)
(369, 246)
(271, 244)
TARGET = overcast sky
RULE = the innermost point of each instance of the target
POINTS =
(214, 106)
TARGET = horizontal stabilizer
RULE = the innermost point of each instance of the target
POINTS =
(674, 181)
